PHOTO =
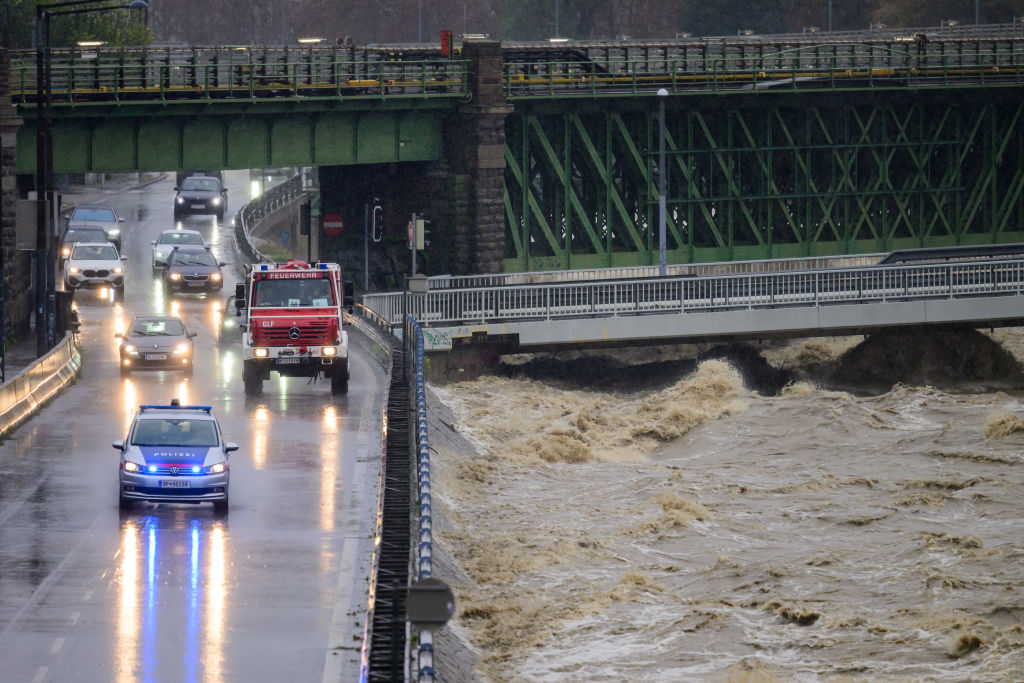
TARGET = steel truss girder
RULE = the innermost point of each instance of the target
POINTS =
(792, 176)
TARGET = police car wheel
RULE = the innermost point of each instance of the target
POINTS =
(124, 504)
(220, 507)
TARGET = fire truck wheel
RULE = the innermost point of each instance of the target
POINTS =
(252, 380)
(339, 381)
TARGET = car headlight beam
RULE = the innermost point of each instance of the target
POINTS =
(215, 468)
(180, 348)
(175, 276)
(261, 353)
(130, 466)
(118, 270)
(330, 351)
(215, 277)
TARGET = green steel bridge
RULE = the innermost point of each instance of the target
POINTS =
(778, 146)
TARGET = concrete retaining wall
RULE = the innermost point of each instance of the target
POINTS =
(38, 383)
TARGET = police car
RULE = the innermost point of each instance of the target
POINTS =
(174, 454)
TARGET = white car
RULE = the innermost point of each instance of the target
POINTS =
(169, 239)
(94, 264)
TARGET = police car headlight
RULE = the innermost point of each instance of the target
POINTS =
(118, 270)
(129, 466)
(128, 348)
(175, 276)
(216, 468)
(261, 353)
(181, 348)
(330, 351)
(215, 277)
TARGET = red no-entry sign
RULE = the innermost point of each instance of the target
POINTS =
(333, 224)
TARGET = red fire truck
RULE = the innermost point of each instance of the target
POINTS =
(292, 323)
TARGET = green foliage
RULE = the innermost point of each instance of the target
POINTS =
(112, 26)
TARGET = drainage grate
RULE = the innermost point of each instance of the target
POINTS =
(387, 639)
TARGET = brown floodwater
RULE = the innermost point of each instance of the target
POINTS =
(676, 524)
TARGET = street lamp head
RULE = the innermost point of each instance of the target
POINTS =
(662, 92)
(137, 4)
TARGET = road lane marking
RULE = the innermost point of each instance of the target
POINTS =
(57, 645)
(75, 617)
(40, 674)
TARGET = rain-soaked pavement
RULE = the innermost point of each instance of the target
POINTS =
(275, 590)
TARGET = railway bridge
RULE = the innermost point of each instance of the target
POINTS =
(539, 157)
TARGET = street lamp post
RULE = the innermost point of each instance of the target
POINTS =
(662, 94)
(46, 266)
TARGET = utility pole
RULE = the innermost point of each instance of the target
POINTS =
(412, 242)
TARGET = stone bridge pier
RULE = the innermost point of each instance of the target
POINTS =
(15, 265)
(462, 194)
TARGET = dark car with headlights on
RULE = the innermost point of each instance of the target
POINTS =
(100, 216)
(72, 236)
(230, 322)
(193, 269)
(174, 454)
(156, 342)
(200, 194)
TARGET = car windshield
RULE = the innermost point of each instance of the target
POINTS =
(204, 184)
(145, 328)
(297, 292)
(181, 238)
(83, 214)
(168, 431)
(193, 258)
(94, 253)
(85, 236)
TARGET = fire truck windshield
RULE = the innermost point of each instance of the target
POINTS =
(290, 293)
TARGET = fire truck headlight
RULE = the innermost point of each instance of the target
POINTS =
(330, 351)
(260, 353)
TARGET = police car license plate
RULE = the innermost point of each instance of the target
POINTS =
(174, 484)
(198, 206)
(285, 361)
(156, 356)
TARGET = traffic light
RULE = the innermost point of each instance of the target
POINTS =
(378, 222)
(422, 234)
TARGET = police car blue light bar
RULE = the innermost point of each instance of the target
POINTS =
(205, 409)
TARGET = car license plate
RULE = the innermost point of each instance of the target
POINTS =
(285, 361)
(196, 284)
(156, 356)
(198, 206)
(175, 484)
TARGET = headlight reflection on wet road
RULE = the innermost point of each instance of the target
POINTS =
(329, 455)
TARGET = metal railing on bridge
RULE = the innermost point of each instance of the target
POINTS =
(682, 294)
(259, 208)
(710, 66)
(143, 74)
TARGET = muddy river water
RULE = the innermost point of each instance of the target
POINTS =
(673, 523)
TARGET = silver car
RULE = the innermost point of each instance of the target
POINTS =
(156, 342)
(169, 239)
(100, 216)
(174, 454)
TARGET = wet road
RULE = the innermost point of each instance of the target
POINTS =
(273, 591)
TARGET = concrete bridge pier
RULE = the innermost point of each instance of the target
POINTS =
(16, 265)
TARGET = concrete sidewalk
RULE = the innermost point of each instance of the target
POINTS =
(22, 352)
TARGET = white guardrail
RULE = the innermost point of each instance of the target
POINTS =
(478, 305)
(38, 383)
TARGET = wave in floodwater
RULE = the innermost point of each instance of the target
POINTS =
(663, 520)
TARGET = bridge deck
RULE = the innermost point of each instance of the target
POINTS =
(802, 303)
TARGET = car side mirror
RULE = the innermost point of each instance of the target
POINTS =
(119, 335)
(124, 258)
(119, 445)
(221, 264)
(176, 188)
(230, 447)
(191, 334)
(120, 220)
(153, 242)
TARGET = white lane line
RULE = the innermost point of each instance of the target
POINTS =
(75, 616)
(40, 674)
(86, 536)
(88, 595)
(57, 645)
